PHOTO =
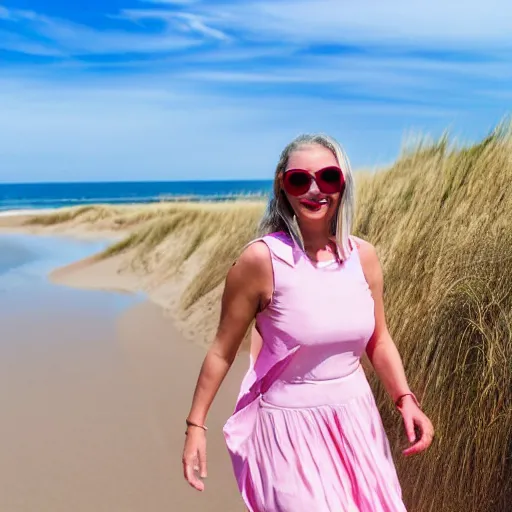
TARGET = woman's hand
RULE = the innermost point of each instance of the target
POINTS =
(415, 419)
(194, 458)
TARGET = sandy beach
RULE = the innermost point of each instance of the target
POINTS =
(95, 387)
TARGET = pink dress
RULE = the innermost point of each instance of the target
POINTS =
(306, 435)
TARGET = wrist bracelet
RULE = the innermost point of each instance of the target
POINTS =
(192, 424)
(398, 401)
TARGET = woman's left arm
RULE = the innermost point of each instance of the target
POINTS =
(386, 360)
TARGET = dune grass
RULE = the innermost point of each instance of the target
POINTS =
(237, 229)
(199, 222)
(83, 214)
(441, 220)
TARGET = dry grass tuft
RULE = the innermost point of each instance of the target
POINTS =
(216, 223)
(82, 214)
(441, 220)
(237, 228)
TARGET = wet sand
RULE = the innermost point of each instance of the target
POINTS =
(94, 390)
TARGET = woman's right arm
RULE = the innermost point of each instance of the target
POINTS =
(247, 284)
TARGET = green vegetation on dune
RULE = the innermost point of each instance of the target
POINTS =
(441, 220)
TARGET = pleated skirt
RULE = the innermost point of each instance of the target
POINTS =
(320, 446)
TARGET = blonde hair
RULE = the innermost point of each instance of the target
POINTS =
(279, 215)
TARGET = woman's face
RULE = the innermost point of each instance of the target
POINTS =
(318, 201)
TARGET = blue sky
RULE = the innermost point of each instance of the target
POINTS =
(190, 89)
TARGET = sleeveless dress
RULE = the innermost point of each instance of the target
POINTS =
(306, 434)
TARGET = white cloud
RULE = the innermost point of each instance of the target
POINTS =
(183, 21)
(287, 23)
(198, 24)
(16, 43)
(409, 22)
(80, 39)
(402, 79)
(70, 38)
(231, 53)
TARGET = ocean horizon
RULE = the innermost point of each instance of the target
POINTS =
(29, 196)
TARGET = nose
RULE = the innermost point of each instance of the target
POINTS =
(314, 187)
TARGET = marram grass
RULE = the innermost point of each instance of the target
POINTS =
(81, 214)
(441, 220)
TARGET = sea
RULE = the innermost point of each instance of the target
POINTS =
(29, 196)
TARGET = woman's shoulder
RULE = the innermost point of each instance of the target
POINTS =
(361, 243)
(368, 257)
(270, 243)
(254, 258)
(255, 253)
(252, 269)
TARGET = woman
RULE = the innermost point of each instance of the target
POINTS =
(306, 434)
